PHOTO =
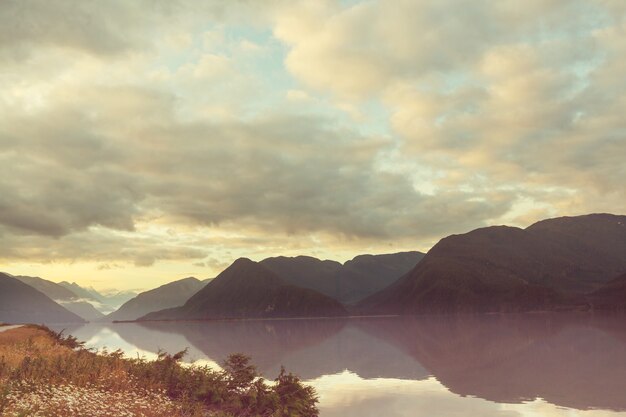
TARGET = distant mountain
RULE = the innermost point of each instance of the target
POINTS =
(64, 297)
(86, 293)
(247, 289)
(21, 303)
(51, 289)
(610, 296)
(104, 302)
(170, 295)
(356, 279)
(82, 309)
(547, 265)
(115, 299)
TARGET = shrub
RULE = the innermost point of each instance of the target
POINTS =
(238, 390)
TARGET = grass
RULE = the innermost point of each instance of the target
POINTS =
(45, 374)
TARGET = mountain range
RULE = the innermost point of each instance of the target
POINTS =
(562, 263)
(21, 303)
(64, 296)
(247, 289)
(349, 282)
(551, 264)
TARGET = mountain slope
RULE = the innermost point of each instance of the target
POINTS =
(500, 268)
(21, 303)
(368, 274)
(82, 309)
(356, 279)
(63, 296)
(51, 289)
(307, 272)
(247, 289)
(170, 295)
(611, 296)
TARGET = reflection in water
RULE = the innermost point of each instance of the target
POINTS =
(311, 348)
(572, 361)
(437, 366)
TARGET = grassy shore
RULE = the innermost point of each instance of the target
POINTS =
(45, 374)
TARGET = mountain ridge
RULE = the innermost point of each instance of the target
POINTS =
(551, 263)
(349, 282)
(247, 289)
(63, 296)
(173, 294)
(22, 304)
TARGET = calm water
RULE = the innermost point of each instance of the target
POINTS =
(537, 365)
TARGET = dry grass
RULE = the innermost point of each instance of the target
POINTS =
(44, 374)
(16, 344)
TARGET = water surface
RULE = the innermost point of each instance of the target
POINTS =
(505, 366)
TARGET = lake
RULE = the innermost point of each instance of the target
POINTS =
(493, 365)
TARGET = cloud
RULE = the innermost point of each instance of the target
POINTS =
(93, 27)
(297, 95)
(521, 98)
(98, 245)
(105, 28)
(147, 131)
(78, 167)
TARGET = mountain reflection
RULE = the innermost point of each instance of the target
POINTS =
(576, 361)
(310, 348)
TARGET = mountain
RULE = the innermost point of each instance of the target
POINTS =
(307, 272)
(64, 297)
(21, 303)
(547, 265)
(113, 300)
(170, 295)
(369, 274)
(356, 279)
(104, 302)
(86, 293)
(82, 309)
(49, 288)
(610, 296)
(247, 289)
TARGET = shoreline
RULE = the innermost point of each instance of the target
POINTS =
(587, 312)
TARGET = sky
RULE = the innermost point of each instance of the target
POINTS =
(149, 140)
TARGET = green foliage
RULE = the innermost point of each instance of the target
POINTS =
(295, 399)
(239, 373)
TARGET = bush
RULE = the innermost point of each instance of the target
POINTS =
(196, 390)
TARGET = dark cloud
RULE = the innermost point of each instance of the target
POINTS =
(101, 246)
(287, 174)
(104, 28)
(95, 27)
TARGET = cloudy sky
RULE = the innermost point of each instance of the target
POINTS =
(144, 141)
